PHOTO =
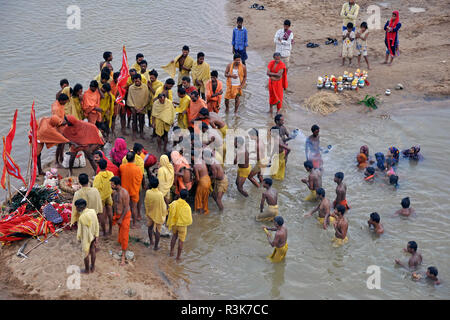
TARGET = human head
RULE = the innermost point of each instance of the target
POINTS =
(169, 83)
(315, 130)
(139, 57)
(130, 156)
(132, 72)
(143, 65)
(200, 57)
(364, 149)
(98, 155)
(183, 194)
(278, 221)
(412, 247)
(83, 179)
(338, 177)
(93, 85)
(405, 203)
(349, 26)
(370, 171)
(277, 56)
(102, 164)
(116, 76)
(286, 25)
(162, 98)
(194, 96)
(204, 112)
(375, 217)
(340, 209)
(76, 90)
(185, 51)
(320, 193)
(64, 83)
(80, 204)
(253, 133)
(239, 22)
(393, 179)
(115, 182)
(137, 79)
(63, 98)
(364, 26)
(432, 272)
(107, 56)
(214, 74)
(308, 165)
(186, 82)
(137, 148)
(153, 75)
(267, 183)
(239, 142)
(394, 15)
(154, 182)
(279, 120)
(236, 58)
(106, 87)
(181, 92)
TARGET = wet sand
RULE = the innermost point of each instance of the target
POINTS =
(422, 67)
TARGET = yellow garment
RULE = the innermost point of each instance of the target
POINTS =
(244, 172)
(137, 67)
(281, 160)
(221, 185)
(170, 69)
(155, 85)
(188, 63)
(339, 242)
(131, 81)
(138, 97)
(69, 104)
(107, 106)
(278, 254)
(145, 75)
(88, 230)
(322, 220)
(352, 13)
(164, 116)
(180, 214)
(269, 213)
(160, 90)
(201, 72)
(166, 175)
(223, 131)
(93, 199)
(181, 232)
(182, 107)
(137, 160)
(155, 206)
(77, 111)
(312, 196)
(103, 184)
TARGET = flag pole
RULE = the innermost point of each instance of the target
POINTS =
(9, 188)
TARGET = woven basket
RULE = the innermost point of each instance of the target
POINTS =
(65, 186)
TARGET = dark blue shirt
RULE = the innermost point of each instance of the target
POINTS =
(240, 41)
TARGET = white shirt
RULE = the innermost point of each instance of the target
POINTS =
(237, 81)
(282, 46)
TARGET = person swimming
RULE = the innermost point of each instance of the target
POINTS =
(394, 154)
(369, 174)
(393, 180)
(389, 169)
(412, 153)
(380, 161)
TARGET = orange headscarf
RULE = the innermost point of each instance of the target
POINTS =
(362, 160)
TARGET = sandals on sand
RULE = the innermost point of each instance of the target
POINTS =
(257, 7)
(312, 45)
(331, 41)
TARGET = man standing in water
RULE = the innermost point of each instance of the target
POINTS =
(236, 74)
(271, 196)
(324, 209)
(312, 148)
(314, 181)
(340, 226)
(341, 191)
(416, 258)
(242, 159)
(201, 74)
(280, 240)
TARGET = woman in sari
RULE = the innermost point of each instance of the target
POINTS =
(277, 81)
(119, 151)
(166, 176)
(391, 40)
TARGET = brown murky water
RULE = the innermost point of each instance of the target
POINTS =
(225, 253)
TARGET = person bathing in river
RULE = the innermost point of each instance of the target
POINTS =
(340, 226)
(406, 210)
(324, 209)
(415, 260)
(271, 197)
(312, 148)
(413, 153)
(374, 221)
(369, 174)
(341, 191)
(280, 240)
(314, 180)
(244, 167)
(276, 71)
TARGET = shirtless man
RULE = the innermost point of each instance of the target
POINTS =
(314, 180)
(312, 147)
(245, 168)
(405, 211)
(284, 133)
(107, 58)
(280, 240)
(416, 258)
(374, 221)
(218, 177)
(203, 184)
(340, 225)
(324, 209)
(341, 191)
(260, 157)
(271, 197)
(215, 120)
(121, 205)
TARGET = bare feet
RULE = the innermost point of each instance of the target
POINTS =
(156, 248)
(84, 271)
(92, 269)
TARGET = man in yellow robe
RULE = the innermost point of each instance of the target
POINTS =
(87, 233)
(183, 62)
(138, 100)
(180, 217)
(103, 185)
(107, 106)
(155, 210)
(89, 194)
(166, 176)
(137, 64)
(166, 89)
(163, 115)
(201, 73)
(181, 110)
(279, 242)
(153, 85)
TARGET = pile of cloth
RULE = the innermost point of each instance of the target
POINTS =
(24, 223)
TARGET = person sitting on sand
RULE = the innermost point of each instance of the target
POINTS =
(87, 233)
(280, 241)
(416, 258)
(271, 197)
(324, 208)
(405, 211)
(413, 153)
(374, 221)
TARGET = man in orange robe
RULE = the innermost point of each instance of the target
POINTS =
(214, 91)
(195, 106)
(91, 103)
(48, 133)
(236, 74)
(122, 214)
(131, 176)
(276, 70)
(58, 106)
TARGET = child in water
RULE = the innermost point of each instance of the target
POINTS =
(405, 211)
(430, 275)
(374, 221)
(369, 174)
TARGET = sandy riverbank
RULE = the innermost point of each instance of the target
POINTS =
(422, 67)
(44, 275)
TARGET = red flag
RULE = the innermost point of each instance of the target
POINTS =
(33, 146)
(123, 78)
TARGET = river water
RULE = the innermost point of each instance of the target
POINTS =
(225, 253)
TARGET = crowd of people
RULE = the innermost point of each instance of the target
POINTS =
(191, 140)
